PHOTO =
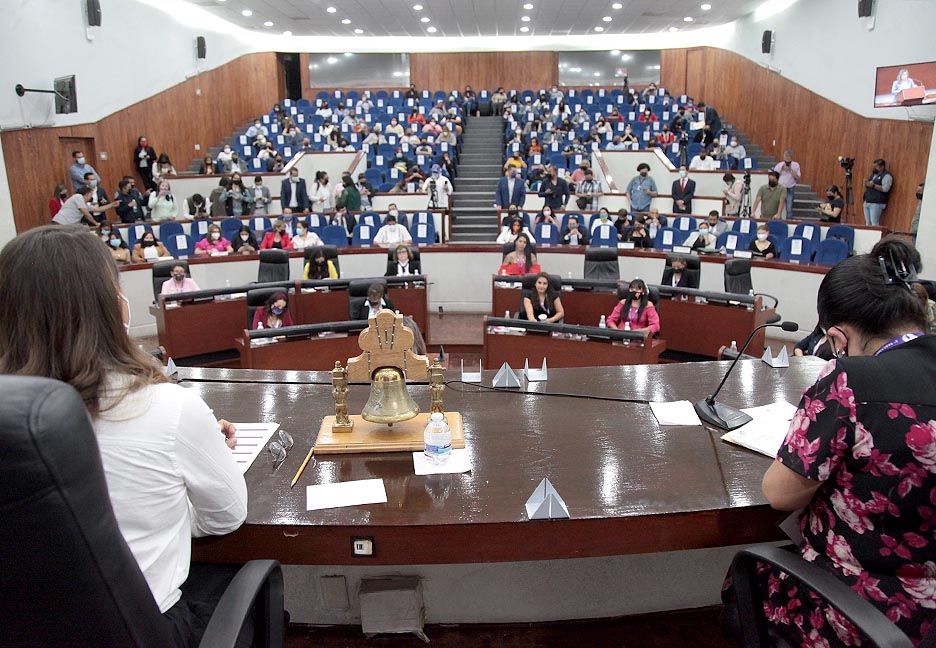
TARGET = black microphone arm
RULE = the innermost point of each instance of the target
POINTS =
(725, 416)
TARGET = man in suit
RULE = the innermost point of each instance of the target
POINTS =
(711, 118)
(683, 191)
(510, 190)
(554, 190)
(293, 194)
(676, 275)
(375, 301)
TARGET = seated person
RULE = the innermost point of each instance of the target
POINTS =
(512, 230)
(277, 239)
(706, 240)
(574, 234)
(604, 218)
(404, 264)
(178, 283)
(320, 268)
(245, 242)
(149, 249)
(623, 224)
(274, 314)
(704, 162)
(635, 312)
(655, 221)
(376, 300)
(213, 243)
(305, 237)
(118, 248)
(543, 304)
(814, 344)
(716, 225)
(519, 262)
(761, 246)
(831, 211)
(546, 216)
(640, 235)
(392, 234)
(675, 274)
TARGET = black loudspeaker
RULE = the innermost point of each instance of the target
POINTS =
(94, 13)
(767, 42)
(200, 47)
(864, 8)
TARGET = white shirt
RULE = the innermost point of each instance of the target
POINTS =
(170, 476)
(70, 212)
(391, 235)
(443, 190)
(708, 164)
(311, 239)
(322, 199)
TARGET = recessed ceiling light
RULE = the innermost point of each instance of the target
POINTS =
(674, 29)
(575, 69)
(607, 19)
(617, 5)
(331, 10)
(397, 74)
(599, 28)
(528, 6)
(705, 7)
(314, 66)
(615, 52)
(687, 19)
(424, 19)
(597, 74)
(417, 7)
(524, 19)
(287, 33)
(268, 23)
(625, 57)
(358, 31)
(331, 59)
(524, 29)
(246, 13)
(348, 54)
(656, 67)
(345, 21)
(431, 30)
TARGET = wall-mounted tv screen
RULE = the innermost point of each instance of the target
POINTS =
(905, 85)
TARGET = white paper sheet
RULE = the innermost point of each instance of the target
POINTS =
(675, 413)
(767, 429)
(459, 462)
(351, 493)
(252, 439)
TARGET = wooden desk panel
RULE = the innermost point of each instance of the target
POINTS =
(561, 352)
(631, 486)
(313, 354)
(194, 329)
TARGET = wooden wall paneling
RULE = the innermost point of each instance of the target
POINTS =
(673, 71)
(484, 70)
(695, 77)
(174, 120)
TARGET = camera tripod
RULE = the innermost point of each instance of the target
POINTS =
(433, 195)
(849, 196)
(746, 198)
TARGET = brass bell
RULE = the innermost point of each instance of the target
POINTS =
(389, 401)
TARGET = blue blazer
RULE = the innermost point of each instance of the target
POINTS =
(519, 193)
(302, 196)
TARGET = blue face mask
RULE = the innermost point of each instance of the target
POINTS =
(682, 174)
(276, 310)
(115, 243)
(80, 160)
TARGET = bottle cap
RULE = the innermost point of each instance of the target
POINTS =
(436, 416)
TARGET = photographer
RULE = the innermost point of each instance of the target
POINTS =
(876, 193)
(733, 192)
(439, 189)
(831, 211)
(789, 175)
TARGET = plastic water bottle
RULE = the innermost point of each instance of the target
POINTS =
(627, 328)
(437, 439)
(603, 322)
(734, 346)
(507, 314)
(751, 295)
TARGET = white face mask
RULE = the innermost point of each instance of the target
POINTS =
(244, 237)
(761, 236)
(215, 236)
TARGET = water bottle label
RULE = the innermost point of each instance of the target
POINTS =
(438, 449)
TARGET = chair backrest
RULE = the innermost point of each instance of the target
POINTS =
(511, 246)
(601, 264)
(60, 539)
(797, 248)
(230, 227)
(604, 236)
(653, 292)
(335, 235)
(738, 276)
(732, 241)
(260, 225)
(744, 225)
(831, 251)
(844, 232)
(169, 228)
(363, 235)
(809, 231)
(257, 298)
(546, 233)
(331, 254)
(779, 229)
(162, 270)
(413, 253)
(423, 233)
(199, 228)
(357, 292)
(666, 238)
(693, 271)
(135, 232)
(274, 266)
(179, 245)
(685, 223)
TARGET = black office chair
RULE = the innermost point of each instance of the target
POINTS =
(162, 270)
(331, 254)
(653, 293)
(274, 266)
(693, 271)
(257, 298)
(69, 578)
(415, 261)
(738, 282)
(601, 264)
(867, 618)
(509, 247)
(357, 293)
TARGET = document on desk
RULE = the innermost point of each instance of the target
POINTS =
(350, 493)
(766, 430)
(459, 462)
(675, 413)
(252, 439)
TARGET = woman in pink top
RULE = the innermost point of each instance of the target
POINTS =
(213, 243)
(179, 283)
(636, 310)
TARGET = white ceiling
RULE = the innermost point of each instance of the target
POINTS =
(485, 18)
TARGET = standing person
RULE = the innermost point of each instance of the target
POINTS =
(350, 197)
(771, 197)
(439, 189)
(163, 205)
(554, 190)
(129, 202)
(78, 169)
(237, 199)
(510, 190)
(877, 192)
(915, 223)
(75, 209)
(683, 191)
(588, 191)
(641, 190)
(294, 198)
(789, 175)
(831, 211)
(59, 195)
(859, 456)
(144, 157)
(155, 437)
(321, 198)
(733, 192)
(543, 304)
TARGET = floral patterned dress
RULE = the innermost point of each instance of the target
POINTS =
(873, 521)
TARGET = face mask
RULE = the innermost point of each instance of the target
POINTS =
(761, 236)
(603, 217)
(394, 212)
(276, 310)
(227, 149)
(215, 236)
(300, 231)
(643, 174)
(80, 160)
(703, 231)
(633, 296)
(178, 276)
(830, 196)
(734, 143)
(294, 180)
(244, 237)
(115, 243)
(682, 174)
(63, 195)
(919, 195)
(148, 243)
(772, 183)
(93, 184)
(105, 234)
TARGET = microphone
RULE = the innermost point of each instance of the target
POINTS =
(724, 416)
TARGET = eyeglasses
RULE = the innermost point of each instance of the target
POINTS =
(280, 448)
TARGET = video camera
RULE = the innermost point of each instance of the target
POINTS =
(846, 163)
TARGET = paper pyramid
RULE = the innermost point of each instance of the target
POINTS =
(170, 369)
(534, 375)
(545, 503)
(781, 360)
(470, 377)
(506, 377)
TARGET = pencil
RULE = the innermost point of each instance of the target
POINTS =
(302, 467)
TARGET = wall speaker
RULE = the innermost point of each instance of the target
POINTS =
(201, 50)
(94, 13)
(767, 42)
(864, 8)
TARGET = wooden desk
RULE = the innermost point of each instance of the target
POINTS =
(687, 327)
(333, 306)
(631, 486)
(562, 352)
(311, 354)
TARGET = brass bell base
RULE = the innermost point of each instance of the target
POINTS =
(337, 428)
(377, 437)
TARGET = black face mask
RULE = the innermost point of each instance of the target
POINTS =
(633, 296)
(63, 195)
(772, 183)
(178, 276)
(146, 243)
(919, 195)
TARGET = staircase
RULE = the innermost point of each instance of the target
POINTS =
(479, 168)
(213, 151)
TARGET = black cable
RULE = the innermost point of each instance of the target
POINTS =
(253, 382)
(508, 390)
